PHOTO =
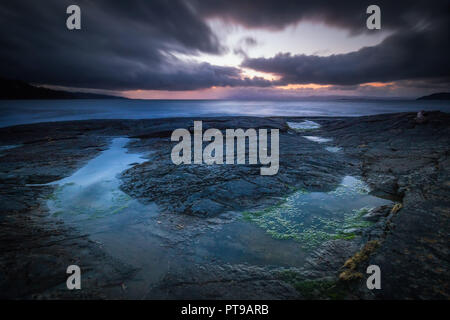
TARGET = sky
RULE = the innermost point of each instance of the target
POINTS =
(228, 49)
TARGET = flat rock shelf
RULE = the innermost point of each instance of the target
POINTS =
(105, 195)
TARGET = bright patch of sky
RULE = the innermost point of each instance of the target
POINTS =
(304, 38)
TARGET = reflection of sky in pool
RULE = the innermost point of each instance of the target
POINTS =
(93, 191)
(318, 139)
(333, 149)
(105, 166)
(92, 201)
(130, 231)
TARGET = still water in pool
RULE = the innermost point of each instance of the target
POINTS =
(281, 235)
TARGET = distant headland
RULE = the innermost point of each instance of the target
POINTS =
(436, 96)
(16, 89)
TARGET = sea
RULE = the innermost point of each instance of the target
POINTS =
(16, 112)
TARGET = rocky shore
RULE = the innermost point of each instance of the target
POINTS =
(401, 158)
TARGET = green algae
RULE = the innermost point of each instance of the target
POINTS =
(320, 289)
(312, 218)
(325, 288)
(275, 220)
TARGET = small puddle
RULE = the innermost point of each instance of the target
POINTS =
(308, 125)
(304, 125)
(318, 139)
(333, 149)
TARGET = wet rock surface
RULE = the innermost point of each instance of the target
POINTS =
(208, 190)
(408, 161)
(398, 157)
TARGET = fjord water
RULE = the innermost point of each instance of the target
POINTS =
(14, 112)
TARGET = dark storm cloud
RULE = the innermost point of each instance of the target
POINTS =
(348, 14)
(126, 45)
(122, 45)
(408, 55)
(418, 49)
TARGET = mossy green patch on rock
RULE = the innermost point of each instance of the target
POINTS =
(312, 218)
(343, 236)
(283, 221)
(320, 289)
(325, 288)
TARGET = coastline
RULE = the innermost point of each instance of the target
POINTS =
(397, 157)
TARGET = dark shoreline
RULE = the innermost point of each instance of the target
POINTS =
(397, 156)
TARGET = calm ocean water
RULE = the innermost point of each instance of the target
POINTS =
(13, 112)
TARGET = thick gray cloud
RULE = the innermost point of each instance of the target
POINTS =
(348, 14)
(126, 45)
(122, 45)
(417, 54)
(418, 49)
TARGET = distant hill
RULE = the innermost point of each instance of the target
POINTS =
(16, 89)
(436, 96)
